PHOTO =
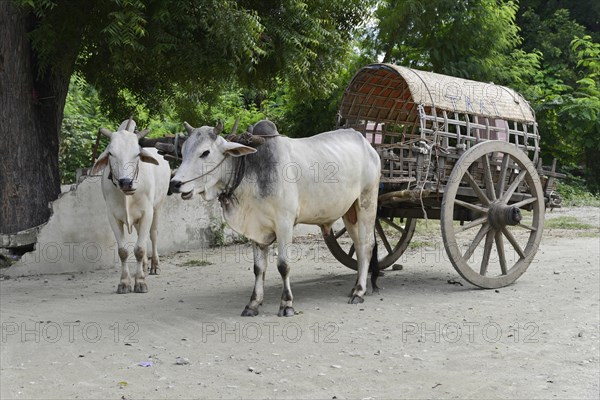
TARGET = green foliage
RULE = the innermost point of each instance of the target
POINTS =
(575, 194)
(302, 116)
(187, 52)
(538, 49)
(84, 115)
(564, 91)
(82, 119)
(165, 61)
(566, 222)
(474, 39)
(196, 263)
(571, 115)
(233, 105)
(552, 37)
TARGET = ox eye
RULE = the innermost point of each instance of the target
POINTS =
(204, 154)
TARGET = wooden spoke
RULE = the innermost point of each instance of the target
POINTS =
(513, 186)
(471, 224)
(381, 233)
(513, 242)
(473, 207)
(340, 233)
(502, 178)
(395, 241)
(482, 197)
(525, 202)
(478, 238)
(393, 225)
(487, 250)
(487, 174)
(500, 248)
(529, 228)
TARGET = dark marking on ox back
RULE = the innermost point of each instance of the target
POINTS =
(258, 169)
(262, 167)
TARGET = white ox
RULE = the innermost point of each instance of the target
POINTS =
(134, 186)
(265, 192)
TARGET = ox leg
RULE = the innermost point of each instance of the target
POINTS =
(260, 268)
(154, 270)
(362, 234)
(125, 282)
(143, 229)
(284, 239)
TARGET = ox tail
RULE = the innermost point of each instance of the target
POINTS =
(374, 266)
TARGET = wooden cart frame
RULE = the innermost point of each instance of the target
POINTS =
(464, 152)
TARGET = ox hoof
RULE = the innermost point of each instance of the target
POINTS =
(140, 287)
(286, 312)
(123, 288)
(356, 300)
(250, 312)
(154, 271)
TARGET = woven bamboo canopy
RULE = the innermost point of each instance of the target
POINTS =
(390, 94)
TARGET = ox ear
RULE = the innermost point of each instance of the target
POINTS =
(147, 157)
(100, 163)
(236, 149)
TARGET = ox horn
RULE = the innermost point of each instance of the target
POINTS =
(143, 133)
(219, 128)
(129, 124)
(105, 132)
(189, 129)
(235, 126)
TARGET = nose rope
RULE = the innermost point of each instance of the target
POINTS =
(206, 173)
(111, 176)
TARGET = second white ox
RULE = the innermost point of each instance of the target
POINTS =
(134, 186)
(265, 192)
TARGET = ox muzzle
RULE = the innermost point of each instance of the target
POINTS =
(175, 187)
(126, 185)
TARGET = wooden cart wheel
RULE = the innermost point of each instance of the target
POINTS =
(393, 236)
(499, 242)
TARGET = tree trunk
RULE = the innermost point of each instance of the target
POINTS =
(31, 111)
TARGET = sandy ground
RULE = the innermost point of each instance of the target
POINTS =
(72, 336)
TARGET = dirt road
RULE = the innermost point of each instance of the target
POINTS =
(72, 336)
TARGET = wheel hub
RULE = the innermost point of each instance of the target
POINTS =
(501, 215)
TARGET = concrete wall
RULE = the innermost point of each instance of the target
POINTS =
(78, 238)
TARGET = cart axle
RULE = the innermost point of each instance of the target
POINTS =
(501, 215)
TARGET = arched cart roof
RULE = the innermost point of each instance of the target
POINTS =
(385, 92)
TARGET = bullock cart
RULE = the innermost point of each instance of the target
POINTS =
(462, 152)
